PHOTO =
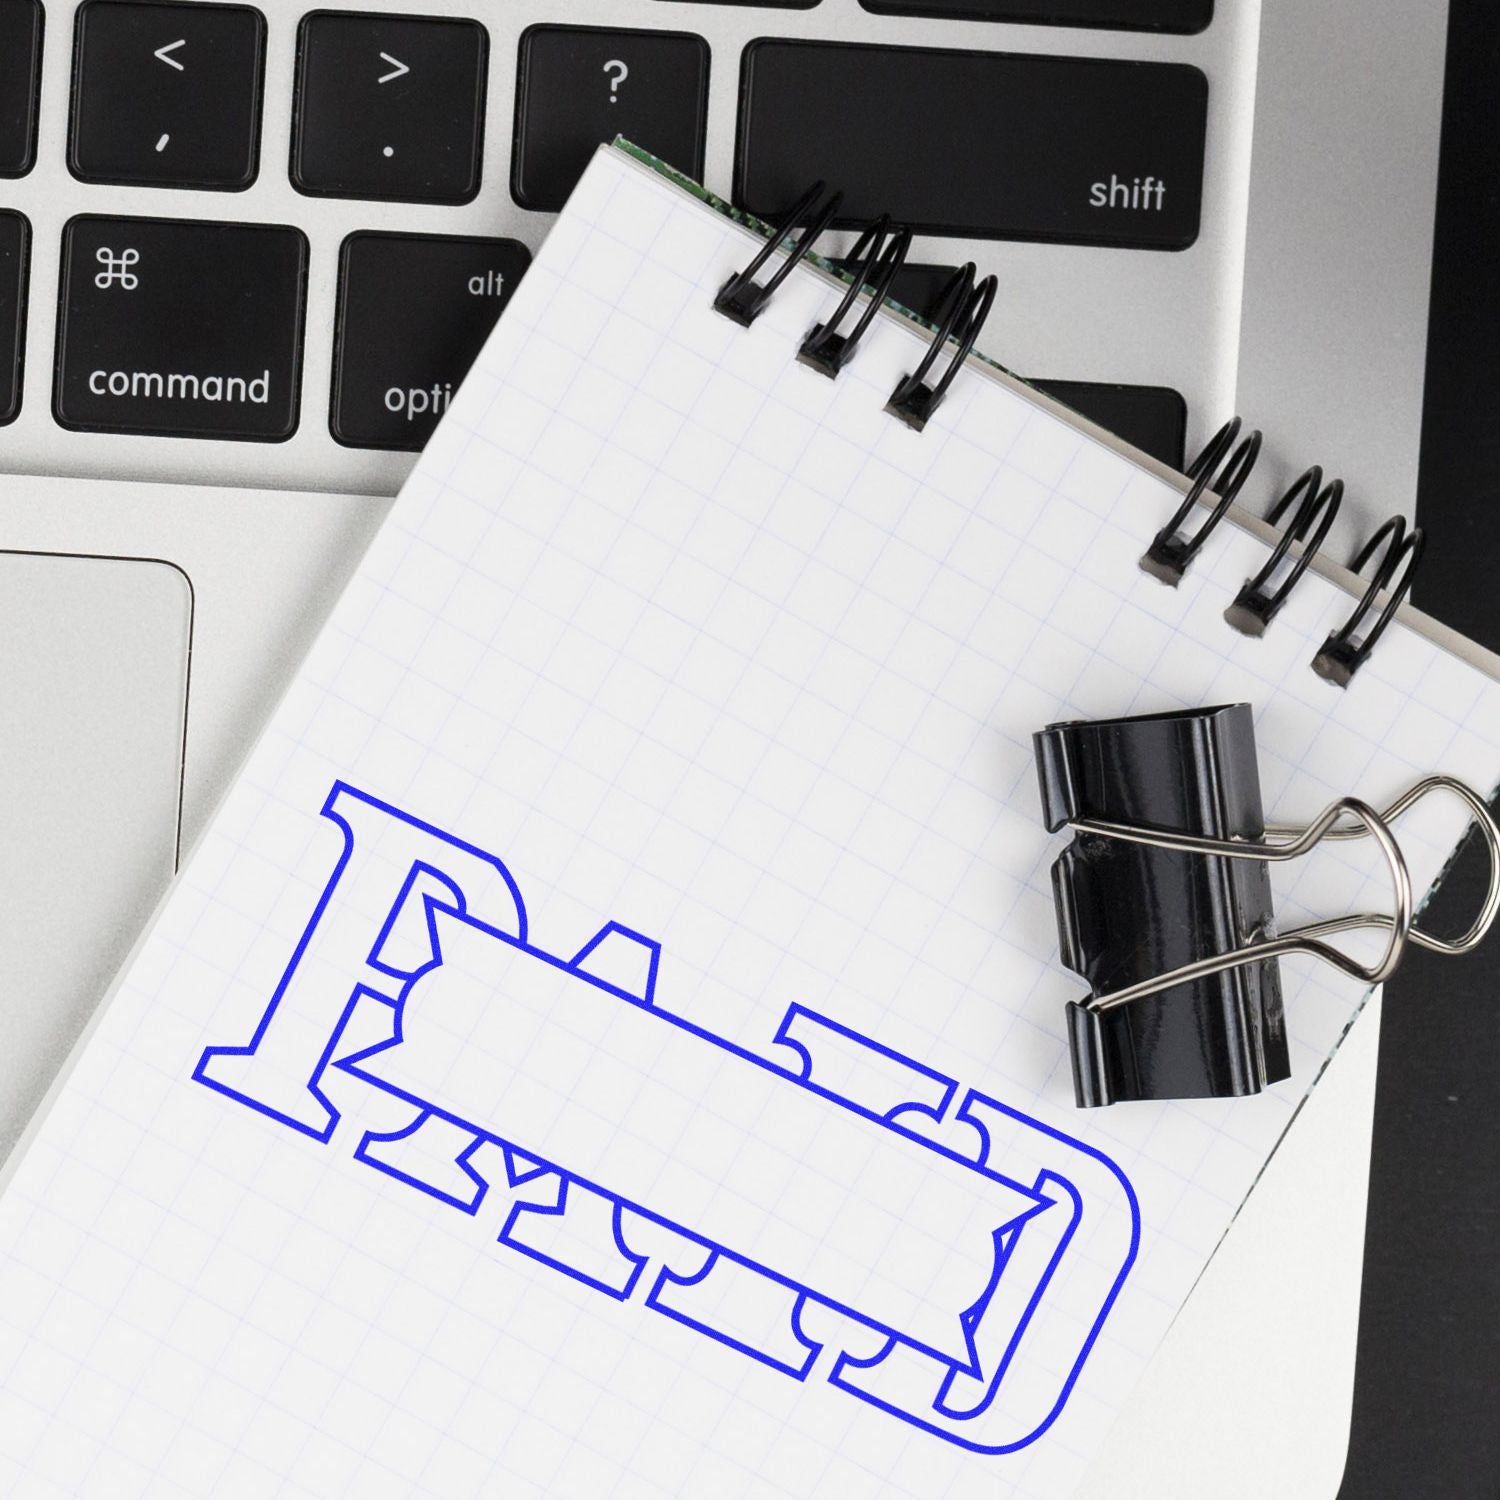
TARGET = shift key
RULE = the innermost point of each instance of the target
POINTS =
(1090, 151)
(180, 328)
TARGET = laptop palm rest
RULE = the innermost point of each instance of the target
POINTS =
(93, 703)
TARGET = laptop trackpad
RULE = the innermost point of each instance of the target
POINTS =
(93, 702)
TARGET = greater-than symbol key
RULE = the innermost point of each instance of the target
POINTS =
(398, 69)
(356, 135)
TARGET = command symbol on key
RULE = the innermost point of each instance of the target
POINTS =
(117, 268)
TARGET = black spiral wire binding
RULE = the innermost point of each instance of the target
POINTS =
(1171, 552)
(1257, 604)
(1345, 650)
(741, 297)
(962, 310)
(1221, 469)
(1221, 473)
(878, 254)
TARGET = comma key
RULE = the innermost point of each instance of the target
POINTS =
(414, 310)
(167, 95)
(180, 328)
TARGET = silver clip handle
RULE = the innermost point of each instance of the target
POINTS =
(1367, 822)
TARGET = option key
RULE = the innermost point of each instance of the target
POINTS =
(414, 310)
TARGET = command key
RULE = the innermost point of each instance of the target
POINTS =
(180, 328)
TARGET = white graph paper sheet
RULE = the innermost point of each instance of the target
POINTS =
(610, 1042)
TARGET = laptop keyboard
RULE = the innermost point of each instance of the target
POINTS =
(205, 327)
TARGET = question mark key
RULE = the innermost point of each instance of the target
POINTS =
(581, 86)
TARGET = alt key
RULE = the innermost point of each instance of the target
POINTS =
(414, 311)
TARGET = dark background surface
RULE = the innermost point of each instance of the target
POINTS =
(1427, 1381)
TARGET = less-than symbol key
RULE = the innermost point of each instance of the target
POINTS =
(167, 95)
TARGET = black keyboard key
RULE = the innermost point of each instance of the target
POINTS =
(414, 310)
(917, 286)
(990, 144)
(580, 85)
(1124, 15)
(15, 239)
(1152, 418)
(180, 328)
(389, 107)
(20, 77)
(167, 95)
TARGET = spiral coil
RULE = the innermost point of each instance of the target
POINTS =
(962, 310)
(1257, 603)
(742, 298)
(1346, 650)
(877, 257)
(1171, 551)
(1220, 470)
(1261, 598)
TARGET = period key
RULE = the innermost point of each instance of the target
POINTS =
(413, 312)
(389, 107)
(180, 328)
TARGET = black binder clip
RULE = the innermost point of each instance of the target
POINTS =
(1164, 901)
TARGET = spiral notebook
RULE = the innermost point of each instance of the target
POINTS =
(610, 1040)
